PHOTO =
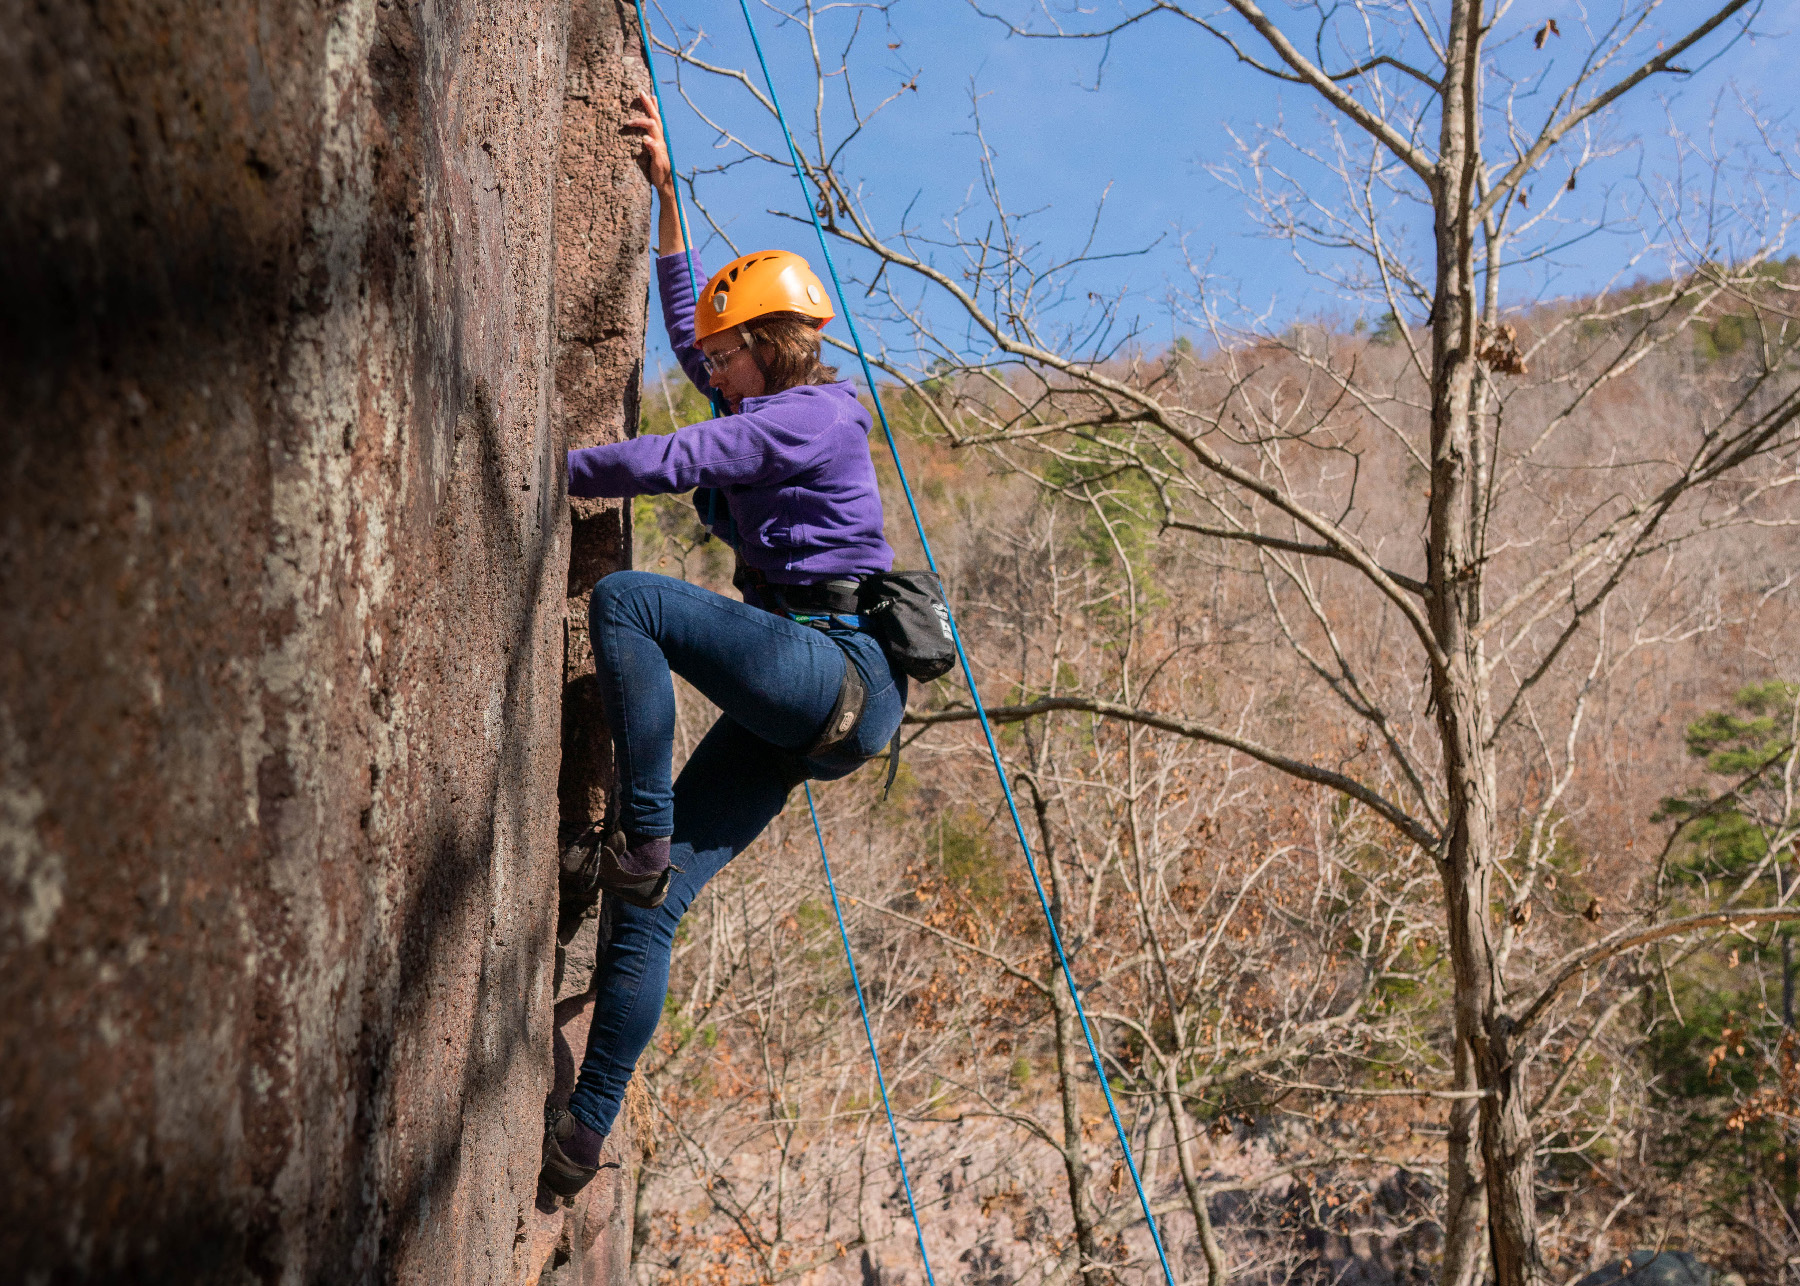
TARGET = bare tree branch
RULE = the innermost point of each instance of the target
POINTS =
(1416, 831)
(1601, 952)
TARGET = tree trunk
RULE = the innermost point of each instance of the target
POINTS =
(1787, 981)
(1458, 682)
(1070, 1056)
(1071, 1053)
(1190, 1182)
(1462, 1219)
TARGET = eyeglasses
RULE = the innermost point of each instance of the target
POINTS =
(717, 362)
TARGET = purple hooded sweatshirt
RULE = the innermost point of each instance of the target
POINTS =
(793, 468)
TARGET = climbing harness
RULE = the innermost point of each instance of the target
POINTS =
(962, 657)
(852, 695)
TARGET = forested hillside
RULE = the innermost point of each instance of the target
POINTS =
(1264, 955)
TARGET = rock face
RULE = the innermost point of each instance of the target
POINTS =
(293, 332)
(602, 290)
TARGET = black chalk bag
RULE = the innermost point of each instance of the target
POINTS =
(905, 612)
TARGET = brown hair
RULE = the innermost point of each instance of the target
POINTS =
(786, 351)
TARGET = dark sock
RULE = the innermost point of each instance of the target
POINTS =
(645, 855)
(582, 1146)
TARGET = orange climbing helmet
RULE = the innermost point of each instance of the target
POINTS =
(769, 281)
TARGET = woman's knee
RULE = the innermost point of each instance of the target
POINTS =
(619, 593)
(616, 586)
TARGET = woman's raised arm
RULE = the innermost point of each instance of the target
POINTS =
(654, 161)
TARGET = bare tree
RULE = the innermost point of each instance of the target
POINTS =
(1521, 544)
(1236, 946)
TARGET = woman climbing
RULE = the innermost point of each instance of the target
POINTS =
(787, 480)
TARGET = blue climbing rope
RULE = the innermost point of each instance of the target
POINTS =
(869, 1031)
(818, 832)
(956, 637)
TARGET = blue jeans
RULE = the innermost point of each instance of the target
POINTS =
(775, 681)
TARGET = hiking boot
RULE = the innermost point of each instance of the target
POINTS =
(577, 888)
(634, 869)
(560, 1173)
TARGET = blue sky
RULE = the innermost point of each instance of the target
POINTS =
(1149, 124)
